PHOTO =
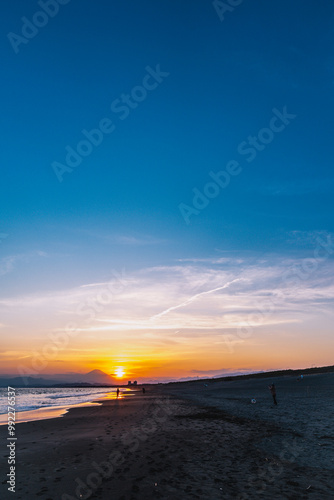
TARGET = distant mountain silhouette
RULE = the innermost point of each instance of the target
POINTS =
(94, 377)
(97, 377)
(26, 382)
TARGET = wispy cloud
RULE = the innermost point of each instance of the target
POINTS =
(136, 241)
(131, 239)
(212, 260)
(8, 263)
(309, 237)
(221, 371)
(298, 187)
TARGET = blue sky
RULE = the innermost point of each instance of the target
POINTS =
(120, 208)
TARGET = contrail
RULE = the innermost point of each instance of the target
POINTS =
(194, 297)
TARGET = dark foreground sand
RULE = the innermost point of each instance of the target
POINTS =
(184, 441)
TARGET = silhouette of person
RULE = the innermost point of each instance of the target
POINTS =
(272, 389)
(143, 390)
(117, 392)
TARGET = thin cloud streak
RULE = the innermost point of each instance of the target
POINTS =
(194, 297)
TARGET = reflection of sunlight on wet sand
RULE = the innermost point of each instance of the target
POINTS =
(124, 392)
(43, 413)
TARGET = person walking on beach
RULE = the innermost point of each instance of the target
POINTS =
(143, 390)
(117, 392)
(272, 389)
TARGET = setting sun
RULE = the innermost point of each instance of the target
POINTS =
(119, 372)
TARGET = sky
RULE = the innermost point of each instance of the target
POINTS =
(167, 187)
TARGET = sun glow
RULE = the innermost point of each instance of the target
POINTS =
(119, 372)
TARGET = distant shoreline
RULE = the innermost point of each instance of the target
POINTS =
(268, 374)
(276, 373)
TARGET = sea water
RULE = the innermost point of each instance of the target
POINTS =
(34, 398)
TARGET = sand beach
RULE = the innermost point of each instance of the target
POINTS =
(193, 440)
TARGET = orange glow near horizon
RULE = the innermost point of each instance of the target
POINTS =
(174, 356)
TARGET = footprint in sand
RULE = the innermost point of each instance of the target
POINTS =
(44, 490)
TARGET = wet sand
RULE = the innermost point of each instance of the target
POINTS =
(184, 441)
(42, 413)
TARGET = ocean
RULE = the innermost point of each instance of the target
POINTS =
(33, 399)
